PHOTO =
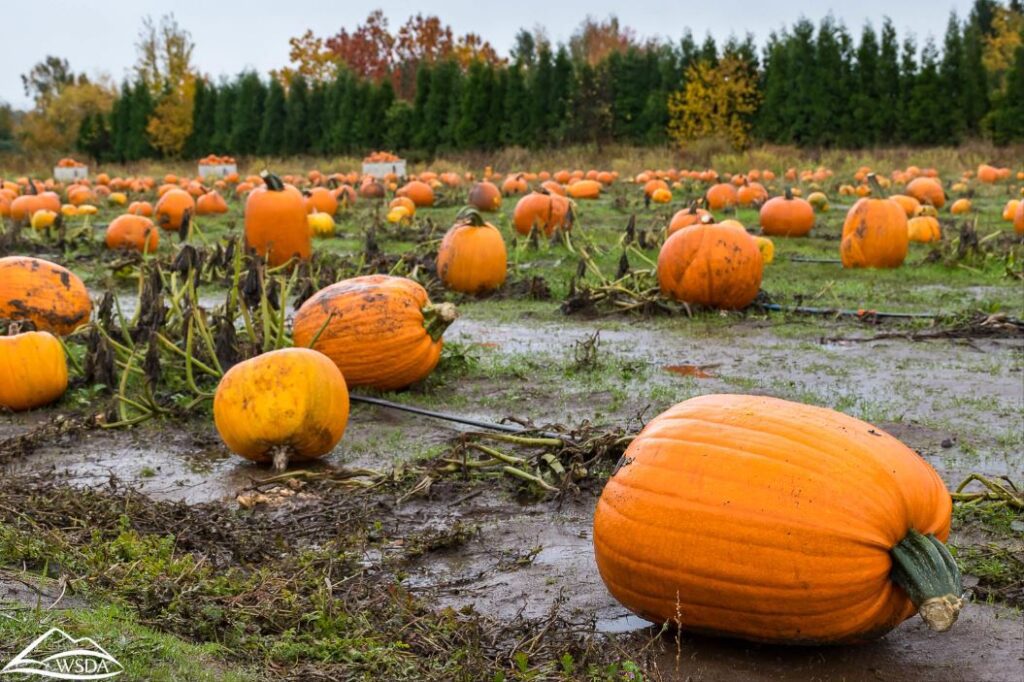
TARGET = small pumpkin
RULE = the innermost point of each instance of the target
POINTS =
(133, 232)
(211, 203)
(143, 208)
(286, 405)
(515, 184)
(472, 258)
(721, 196)
(381, 331)
(174, 209)
(709, 264)
(909, 204)
(766, 247)
(275, 221)
(547, 212)
(419, 192)
(874, 233)
(585, 189)
(1018, 219)
(927, 190)
(1010, 209)
(924, 229)
(484, 196)
(661, 196)
(686, 217)
(960, 206)
(819, 201)
(768, 520)
(320, 224)
(52, 297)
(787, 216)
(321, 200)
(43, 219)
(33, 370)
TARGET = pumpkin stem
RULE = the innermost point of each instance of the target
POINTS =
(274, 183)
(437, 318)
(279, 455)
(927, 572)
(470, 216)
(789, 194)
(876, 187)
(31, 189)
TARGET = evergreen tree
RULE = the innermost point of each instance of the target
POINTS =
(908, 78)
(865, 97)
(951, 122)
(203, 119)
(247, 121)
(399, 124)
(421, 136)
(887, 85)
(474, 109)
(773, 120)
(315, 118)
(926, 99)
(562, 82)
(515, 129)
(272, 126)
(297, 138)
(974, 86)
(1005, 123)
(221, 141)
(120, 123)
(137, 144)
(540, 99)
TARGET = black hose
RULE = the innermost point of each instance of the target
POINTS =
(490, 426)
(847, 313)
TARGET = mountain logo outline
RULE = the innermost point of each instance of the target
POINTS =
(84, 659)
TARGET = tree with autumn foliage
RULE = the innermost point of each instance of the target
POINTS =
(165, 68)
(719, 100)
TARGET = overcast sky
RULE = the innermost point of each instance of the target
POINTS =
(99, 37)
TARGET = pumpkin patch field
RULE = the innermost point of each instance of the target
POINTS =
(605, 416)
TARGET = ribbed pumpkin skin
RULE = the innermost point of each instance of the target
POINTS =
(787, 217)
(546, 212)
(51, 296)
(292, 397)
(714, 265)
(275, 224)
(472, 259)
(763, 519)
(377, 336)
(33, 370)
(874, 235)
(133, 232)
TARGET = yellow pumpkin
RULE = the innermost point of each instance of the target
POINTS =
(289, 404)
(33, 370)
(661, 196)
(118, 198)
(767, 249)
(399, 214)
(43, 219)
(69, 210)
(960, 206)
(87, 209)
(320, 224)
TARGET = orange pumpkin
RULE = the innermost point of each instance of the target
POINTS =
(721, 196)
(174, 209)
(1018, 219)
(960, 206)
(514, 185)
(909, 204)
(584, 189)
(787, 216)
(751, 193)
(24, 206)
(381, 331)
(484, 196)
(321, 200)
(33, 370)
(686, 217)
(927, 190)
(712, 265)
(924, 229)
(546, 212)
(143, 208)
(211, 203)
(472, 258)
(52, 297)
(275, 221)
(758, 518)
(874, 233)
(133, 232)
(288, 404)
(420, 193)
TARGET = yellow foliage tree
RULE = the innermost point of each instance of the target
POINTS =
(1002, 44)
(717, 101)
(311, 58)
(171, 123)
(53, 124)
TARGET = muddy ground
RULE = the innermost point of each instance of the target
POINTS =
(958, 402)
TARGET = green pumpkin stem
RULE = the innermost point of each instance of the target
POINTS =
(274, 183)
(876, 187)
(927, 572)
(789, 194)
(470, 216)
(437, 318)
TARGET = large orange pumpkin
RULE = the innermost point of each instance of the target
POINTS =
(33, 370)
(275, 221)
(174, 209)
(289, 404)
(133, 232)
(52, 297)
(546, 212)
(712, 265)
(787, 216)
(381, 331)
(472, 258)
(874, 234)
(758, 518)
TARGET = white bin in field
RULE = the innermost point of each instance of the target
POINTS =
(64, 174)
(215, 171)
(379, 170)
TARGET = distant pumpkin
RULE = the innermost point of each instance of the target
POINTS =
(419, 192)
(275, 222)
(211, 203)
(875, 234)
(133, 232)
(787, 216)
(485, 196)
(924, 229)
(173, 209)
(927, 190)
(546, 212)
